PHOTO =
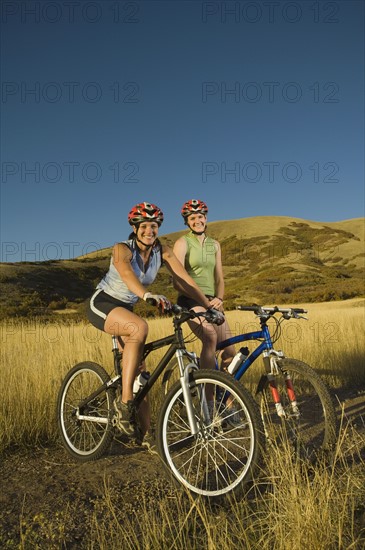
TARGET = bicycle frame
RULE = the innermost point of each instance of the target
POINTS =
(266, 345)
(176, 347)
(265, 349)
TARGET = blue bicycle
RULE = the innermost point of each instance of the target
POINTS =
(295, 404)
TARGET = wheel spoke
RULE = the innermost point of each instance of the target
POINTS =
(86, 432)
(313, 429)
(220, 457)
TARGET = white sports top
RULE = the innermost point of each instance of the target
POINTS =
(113, 284)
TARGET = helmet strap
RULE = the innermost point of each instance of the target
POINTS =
(144, 244)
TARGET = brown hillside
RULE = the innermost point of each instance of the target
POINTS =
(265, 259)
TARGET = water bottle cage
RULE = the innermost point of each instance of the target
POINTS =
(140, 382)
(238, 359)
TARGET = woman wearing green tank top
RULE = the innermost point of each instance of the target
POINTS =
(201, 257)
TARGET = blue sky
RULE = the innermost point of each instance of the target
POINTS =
(255, 107)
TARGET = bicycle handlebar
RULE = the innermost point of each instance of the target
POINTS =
(268, 311)
(216, 317)
(211, 315)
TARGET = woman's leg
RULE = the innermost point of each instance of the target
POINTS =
(223, 333)
(210, 335)
(134, 330)
(207, 334)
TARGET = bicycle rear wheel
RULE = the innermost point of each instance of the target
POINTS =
(86, 431)
(227, 448)
(312, 428)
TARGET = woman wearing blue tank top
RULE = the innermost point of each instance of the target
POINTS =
(201, 257)
(133, 266)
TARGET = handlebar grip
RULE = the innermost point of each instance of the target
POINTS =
(151, 301)
(176, 309)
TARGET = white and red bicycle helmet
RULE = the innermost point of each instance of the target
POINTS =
(194, 206)
(145, 212)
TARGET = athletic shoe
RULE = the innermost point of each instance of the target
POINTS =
(126, 417)
(231, 416)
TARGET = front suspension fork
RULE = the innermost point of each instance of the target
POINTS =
(272, 370)
(185, 382)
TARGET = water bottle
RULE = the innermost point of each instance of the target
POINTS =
(238, 360)
(140, 381)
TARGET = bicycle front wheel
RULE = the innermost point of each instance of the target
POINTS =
(225, 452)
(86, 429)
(308, 424)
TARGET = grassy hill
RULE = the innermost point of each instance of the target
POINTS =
(265, 260)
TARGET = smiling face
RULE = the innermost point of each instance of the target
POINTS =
(146, 232)
(197, 222)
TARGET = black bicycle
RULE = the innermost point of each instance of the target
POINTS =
(196, 437)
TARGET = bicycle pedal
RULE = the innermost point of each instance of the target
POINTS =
(131, 443)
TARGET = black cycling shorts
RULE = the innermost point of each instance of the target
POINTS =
(100, 305)
(189, 303)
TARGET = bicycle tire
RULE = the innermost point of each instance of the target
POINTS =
(85, 439)
(315, 428)
(217, 460)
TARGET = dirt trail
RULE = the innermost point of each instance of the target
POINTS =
(43, 482)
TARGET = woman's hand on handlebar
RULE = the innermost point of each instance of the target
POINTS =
(158, 300)
(216, 303)
(211, 315)
(214, 316)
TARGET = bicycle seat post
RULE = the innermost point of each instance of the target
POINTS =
(115, 343)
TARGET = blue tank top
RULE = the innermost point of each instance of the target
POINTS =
(112, 282)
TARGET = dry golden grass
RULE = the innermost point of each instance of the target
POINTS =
(289, 506)
(331, 340)
(292, 507)
(36, 356)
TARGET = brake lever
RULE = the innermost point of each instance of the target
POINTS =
(296, 315)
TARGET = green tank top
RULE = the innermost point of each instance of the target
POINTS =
(200, 262)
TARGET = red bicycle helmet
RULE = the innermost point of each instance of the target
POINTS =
(194, 206)
(145, 212)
